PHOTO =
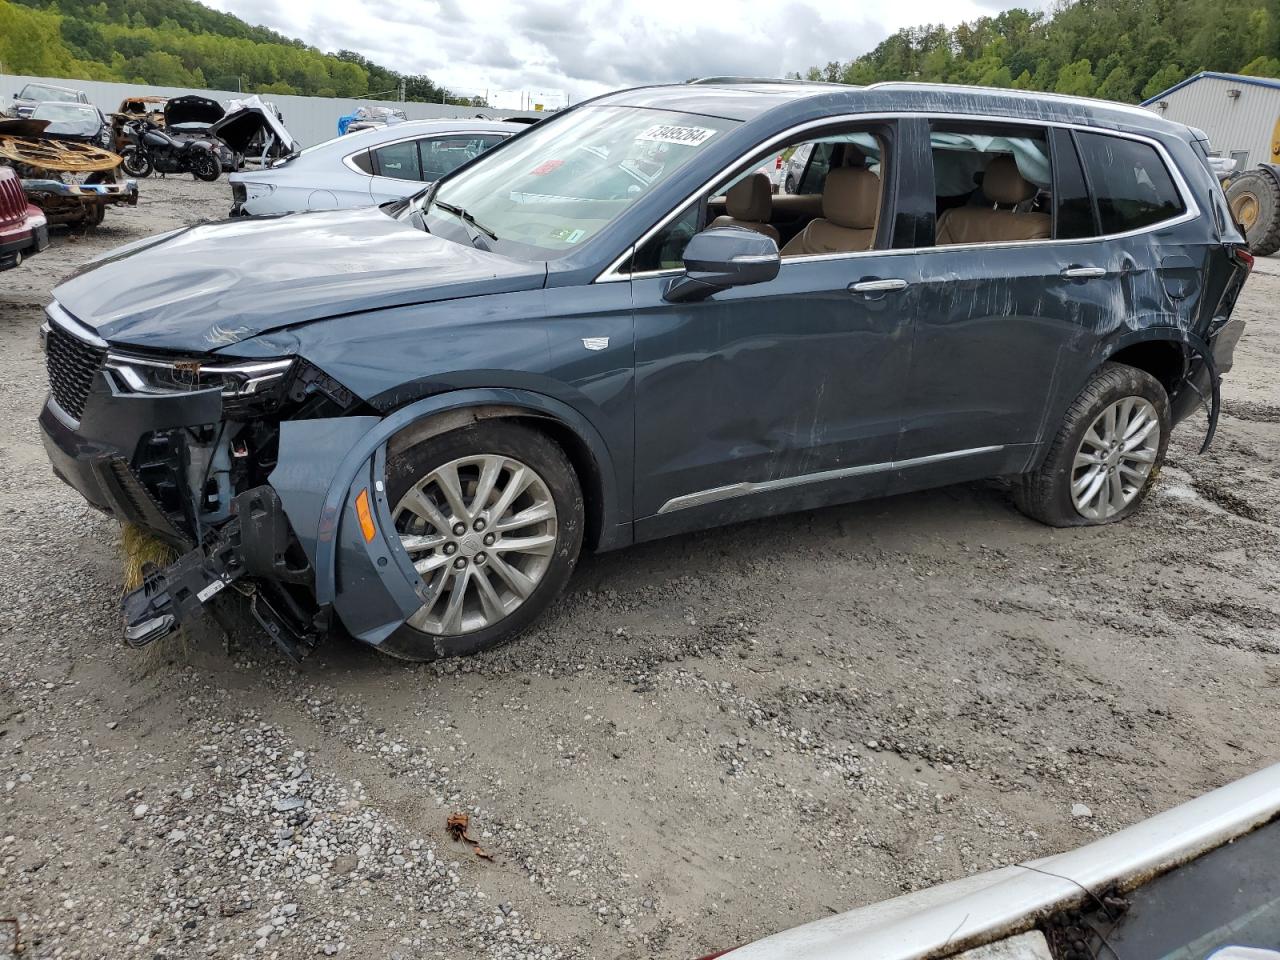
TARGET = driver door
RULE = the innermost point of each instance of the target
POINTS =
(761, 399)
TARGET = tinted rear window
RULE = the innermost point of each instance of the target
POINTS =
(1130, 182)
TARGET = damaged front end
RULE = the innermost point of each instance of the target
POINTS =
(232, 463)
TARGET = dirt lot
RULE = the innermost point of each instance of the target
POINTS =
(711, 738)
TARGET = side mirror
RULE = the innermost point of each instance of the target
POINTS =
(723, 257)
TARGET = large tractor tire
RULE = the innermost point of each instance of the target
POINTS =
(1254, 197)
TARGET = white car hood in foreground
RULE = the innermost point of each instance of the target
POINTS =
(952, 917)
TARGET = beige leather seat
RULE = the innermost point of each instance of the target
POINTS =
(749, 204)
(1001, 184)
(850, 208)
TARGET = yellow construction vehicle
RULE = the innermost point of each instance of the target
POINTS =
(1254, 196)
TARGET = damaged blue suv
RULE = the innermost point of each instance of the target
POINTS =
(406, 422)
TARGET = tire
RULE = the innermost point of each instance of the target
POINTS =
(207, 167)
(790, 185)
(1047, 493)
(468, 452)
(1254, 197)
(136, 163)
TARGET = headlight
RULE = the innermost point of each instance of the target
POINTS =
(144, 375)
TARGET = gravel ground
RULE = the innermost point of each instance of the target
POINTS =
(711, 738)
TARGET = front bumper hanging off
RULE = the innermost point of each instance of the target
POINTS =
(363, 573)
(254, 543)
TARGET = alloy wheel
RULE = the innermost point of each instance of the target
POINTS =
(1115, 458)
(481, 531)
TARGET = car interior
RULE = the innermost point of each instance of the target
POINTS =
(990, 188)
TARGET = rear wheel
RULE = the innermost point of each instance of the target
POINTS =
(492, 517)
(206, 167)
(1107, 454)
(1254, 198)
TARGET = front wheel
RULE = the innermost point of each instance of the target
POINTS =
(136, 163)
(206, 167)
(492, 517)
(1106, 455)
(790, 185)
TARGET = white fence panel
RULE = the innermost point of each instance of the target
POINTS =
(311, 120)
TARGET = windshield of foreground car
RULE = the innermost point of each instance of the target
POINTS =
(555, 187)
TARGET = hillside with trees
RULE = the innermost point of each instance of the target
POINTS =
(182, 43)
(1125, 50)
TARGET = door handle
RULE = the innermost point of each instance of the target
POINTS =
(1084, 273)
(877, 286)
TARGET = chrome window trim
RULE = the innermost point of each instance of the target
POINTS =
(611, 275)
(749, 487)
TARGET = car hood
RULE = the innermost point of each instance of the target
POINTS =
(192, 109)
(206, 287)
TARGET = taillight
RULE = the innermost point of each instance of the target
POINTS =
(778, 163)
(1243, 257)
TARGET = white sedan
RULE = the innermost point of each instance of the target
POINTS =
(366, 168)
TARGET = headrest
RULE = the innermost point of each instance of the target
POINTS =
(751, 199)
(1002, 183)
(851, 198)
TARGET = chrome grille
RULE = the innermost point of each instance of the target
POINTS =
(72, 363)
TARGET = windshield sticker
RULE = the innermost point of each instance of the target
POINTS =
(670, 133)
(545, 167)
(565, 235)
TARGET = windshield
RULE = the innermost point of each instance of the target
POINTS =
(65, 111)
(34, 91)
(555, 187)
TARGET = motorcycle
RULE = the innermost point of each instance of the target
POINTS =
(150, 149)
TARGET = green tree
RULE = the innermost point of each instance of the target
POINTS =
(1163, 80)
(1076, 79)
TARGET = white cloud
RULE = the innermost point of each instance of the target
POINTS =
(551, 49)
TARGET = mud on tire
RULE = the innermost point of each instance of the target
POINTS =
(406, 471)
(1045, 493)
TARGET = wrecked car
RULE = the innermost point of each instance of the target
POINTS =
(253, 127)
(368, 168)
(70, 180)
(1195, 882)
(33, 94)
(192, 118)
(406, 422)
(23, 228)
(76, 122)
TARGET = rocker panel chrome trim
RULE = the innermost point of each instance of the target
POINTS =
(748, 487)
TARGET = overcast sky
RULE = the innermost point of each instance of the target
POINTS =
(583, 47)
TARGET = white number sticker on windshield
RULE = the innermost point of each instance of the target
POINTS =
(670, 133)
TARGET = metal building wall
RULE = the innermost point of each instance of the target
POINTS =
(311, 120)
(1242, 123)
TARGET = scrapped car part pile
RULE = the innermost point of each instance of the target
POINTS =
(70, 181)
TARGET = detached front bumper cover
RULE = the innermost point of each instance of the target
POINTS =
(253, 543)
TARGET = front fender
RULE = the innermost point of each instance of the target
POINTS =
(325, 464)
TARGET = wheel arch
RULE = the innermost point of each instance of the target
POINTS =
(1165, 357)
(585, 457)
(1170, 354)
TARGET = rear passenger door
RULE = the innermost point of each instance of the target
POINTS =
(1020, 284)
